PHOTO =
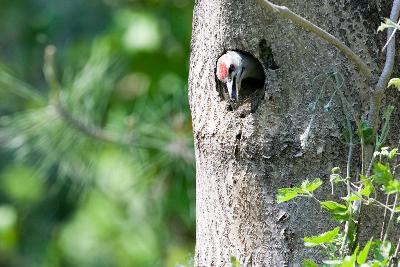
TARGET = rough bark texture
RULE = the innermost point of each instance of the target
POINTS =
(243, 156)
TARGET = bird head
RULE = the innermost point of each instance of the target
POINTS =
(230, 71)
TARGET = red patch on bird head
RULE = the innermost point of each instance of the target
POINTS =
(222, 71)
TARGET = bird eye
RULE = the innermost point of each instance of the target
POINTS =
(231, 68)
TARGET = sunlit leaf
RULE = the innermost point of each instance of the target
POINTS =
(338, 211)
(394, 82)
(368, 188)
(311, 186)
(335, 170)
(306, 188)
(362, 257)
(382, 173)
(327, 237)
(393, 153)
(392, 187)
(235, 262)
(333, 262)
(286, 194)
(309, 263)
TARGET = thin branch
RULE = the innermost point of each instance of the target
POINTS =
(376, 100)
(344, 246)
(384, 217)
(329, 38)
(89, 130)
(390, 223)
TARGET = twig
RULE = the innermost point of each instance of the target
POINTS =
(379, 90)
(348, 170)
(329, 38)
(89, 130)
(397, 250)
(384, 217)
(390, 223)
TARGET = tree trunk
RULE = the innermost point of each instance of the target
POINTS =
(245, 153)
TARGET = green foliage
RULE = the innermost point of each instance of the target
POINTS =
(338, 211)
(395, 82)
(362, 257)
(235, 262)
(340, 244)
(97, 165)
(309, 263)
(305, 190)
(327, 237)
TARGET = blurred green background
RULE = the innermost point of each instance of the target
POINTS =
(96, 149)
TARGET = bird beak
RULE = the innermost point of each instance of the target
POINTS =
(233, 88)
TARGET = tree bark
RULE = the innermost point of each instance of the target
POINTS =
(245, 153)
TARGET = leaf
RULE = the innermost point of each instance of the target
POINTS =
(350, 261)
(327, 237)
(331, 205)
(393, 153)
(310, 187)
(235, 262)
(338, 211)
(382, 174)
(351, 198)
(362, 257)
(387, 24)
(392, 187)
(382, 251)
(394, 82)
(286, 194)
(306, 188)
(365, 131)
(335, 178)
(336, 170)
(332, 262)
(368, 187)
(309, 263)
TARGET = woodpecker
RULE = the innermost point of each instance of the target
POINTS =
(233, 67)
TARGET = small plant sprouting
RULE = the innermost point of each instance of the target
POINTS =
(339, 246)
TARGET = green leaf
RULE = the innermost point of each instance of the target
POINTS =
(382, 251)
(351, 198)
(235, 262)
(368, 187)
(286, 194)
(394, 82)
(332, 262)
(362, 257)
(338, 211)
(335, 178)
(331, 205)
(306, 188)
(392, 153)
(311, 186)
(327, 237)
(336, 170)
(309, 263)
(392, 187)
(382, 174)
(350, 261)
(365, 131)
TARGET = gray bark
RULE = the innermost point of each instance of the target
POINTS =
(244, 156)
